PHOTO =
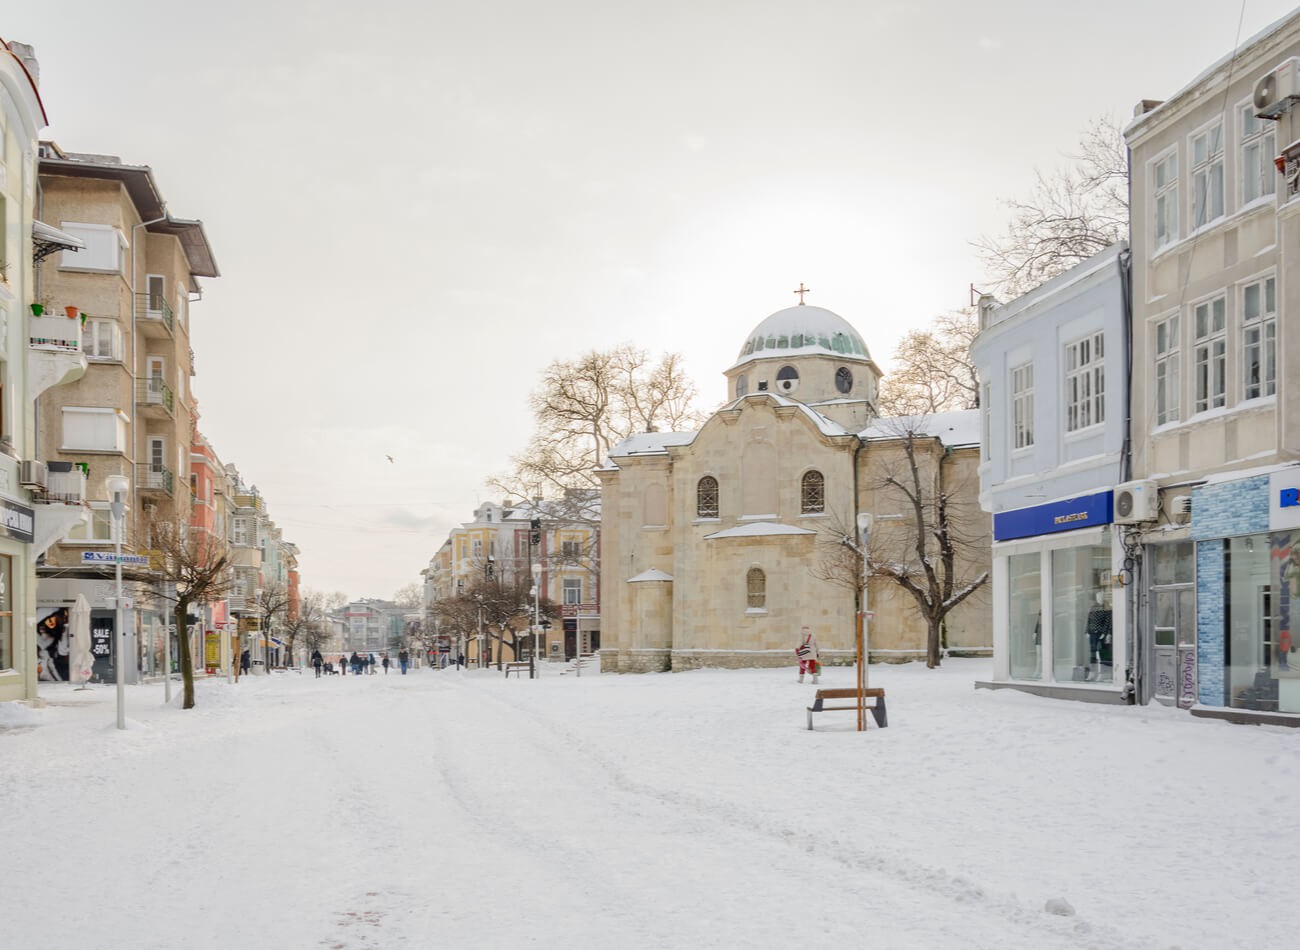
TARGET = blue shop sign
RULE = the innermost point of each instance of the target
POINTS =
(1082, 512)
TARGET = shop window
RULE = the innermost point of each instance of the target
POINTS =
(1025, 617)
(812, 494)
(1262, 669)
(6, 613)
(1082, 634)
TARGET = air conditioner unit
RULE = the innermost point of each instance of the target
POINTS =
(1180, 508)
(1136, 502)
(1278, 87)
(32, 474)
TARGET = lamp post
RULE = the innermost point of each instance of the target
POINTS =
(118, 485)
(864, 652)
(537, 623)
(479, 598)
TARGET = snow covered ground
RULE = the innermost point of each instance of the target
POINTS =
(447, 809)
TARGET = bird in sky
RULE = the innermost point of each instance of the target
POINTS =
(390, 458)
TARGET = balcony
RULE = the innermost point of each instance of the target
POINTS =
(155, 397)
(151, 477)
(54, 355)
(154, 316)
(60, 506)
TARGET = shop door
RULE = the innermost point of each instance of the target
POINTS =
(1174, 644)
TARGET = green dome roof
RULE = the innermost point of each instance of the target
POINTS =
(803, 331)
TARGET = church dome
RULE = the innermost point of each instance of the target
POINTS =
(803, 330)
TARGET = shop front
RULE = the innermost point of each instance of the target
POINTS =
(1247, 534)
(1058, 624)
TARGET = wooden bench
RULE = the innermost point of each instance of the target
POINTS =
(877, 709)
(517, 668)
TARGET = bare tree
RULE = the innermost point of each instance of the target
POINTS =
(585, 406)
(1070, 215)
(933, 371)
(309, 624)
(272, 603)
(410, 595)
(934, 550)
(196, 568)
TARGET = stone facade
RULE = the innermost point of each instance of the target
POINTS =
(715, 543)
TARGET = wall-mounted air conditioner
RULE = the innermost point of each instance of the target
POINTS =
(1136, 502)
(32, 474)
(1277, 89)
(1180, 508)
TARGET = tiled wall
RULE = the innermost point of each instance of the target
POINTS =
(1219, 511)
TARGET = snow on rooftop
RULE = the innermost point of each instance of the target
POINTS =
(654, 574)
(758, 529)
(955, 427)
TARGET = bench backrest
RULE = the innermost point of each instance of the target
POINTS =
(850, 693)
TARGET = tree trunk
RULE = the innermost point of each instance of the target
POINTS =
(183, 644)
(933, 654)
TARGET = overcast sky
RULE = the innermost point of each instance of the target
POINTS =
(415, 207)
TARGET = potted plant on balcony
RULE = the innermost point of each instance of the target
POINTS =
(72, 312)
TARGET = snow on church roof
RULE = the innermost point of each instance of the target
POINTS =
(654, 574)
(647, 443)
(758, 529)
(803, 330)
(955, 427)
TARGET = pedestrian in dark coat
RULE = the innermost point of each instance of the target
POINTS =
(317, 662)
(404, 659)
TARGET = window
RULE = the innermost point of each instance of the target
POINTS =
(1168, 379)
(476, 548)
(812, 494)
(156, 288)
(986, 422)
(93, 430)
(1022, 405)
(787, 379)
(1084, 383)
(1210, 320)
(1259, 339)
(706, 497)
(741, 385)
(756, 589)
(104, 250)
(98, 527)
(1165, 187)
(570, 549)
(239, 531)
(572, 590)
(1207, 175)
(1258, 146)
(102, 340)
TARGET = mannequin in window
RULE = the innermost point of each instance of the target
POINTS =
(1099, 637)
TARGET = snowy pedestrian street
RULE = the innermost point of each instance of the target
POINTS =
(463, 809)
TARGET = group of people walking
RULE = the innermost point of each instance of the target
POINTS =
(358, 663)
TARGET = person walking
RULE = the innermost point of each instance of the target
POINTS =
(384, 663)
(806, 651)
(317, 662)
(245, 661)
(403, 660)
(355, 661)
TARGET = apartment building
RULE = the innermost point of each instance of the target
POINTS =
(132, 413)
(1215, 172)
(38, 353)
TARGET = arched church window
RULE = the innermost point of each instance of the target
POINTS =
(756, 589)
(812, 493)
(742, 385)
(706, 497)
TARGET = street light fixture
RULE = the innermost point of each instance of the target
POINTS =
(536, 669)
(118, 486)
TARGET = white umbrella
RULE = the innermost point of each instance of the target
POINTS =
(82, 660)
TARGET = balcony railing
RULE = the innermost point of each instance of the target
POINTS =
(152, 477)
(65, 484)
(154, 392)
(153, 308)
(57, 334)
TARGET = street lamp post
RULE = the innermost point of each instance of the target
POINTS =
(118, 485)
(536, 669)
(864, 649)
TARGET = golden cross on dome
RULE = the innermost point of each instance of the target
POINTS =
(801, 291)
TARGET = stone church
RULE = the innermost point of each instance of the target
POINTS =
(718, 545)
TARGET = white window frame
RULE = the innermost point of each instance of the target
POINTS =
(1166, 345)
(1085, 382)
(1164, 198)
(1258, 148)
(105, 250)
(101, 340)
(1210, 353)
(1022, 406)
(98, 527)
(986, 422)
(1259, 339)
(86, 418)
(572, 590)
(1206, 150)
